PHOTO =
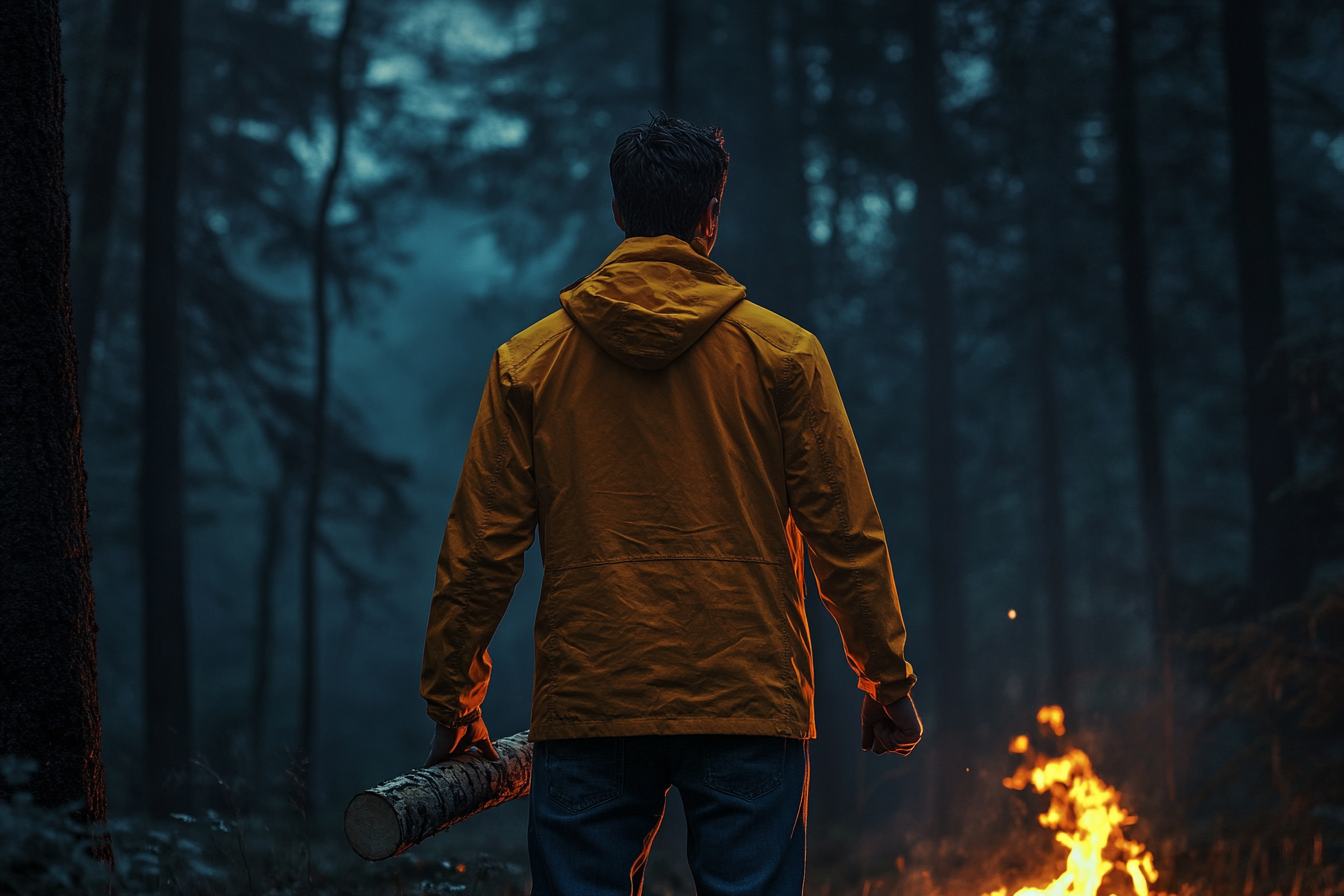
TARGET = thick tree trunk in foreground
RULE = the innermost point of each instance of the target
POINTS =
(397, 814)
(941, 452)
(48, 660)
(321, 387)
(102, 157)
(162, 539)
(1277, 569)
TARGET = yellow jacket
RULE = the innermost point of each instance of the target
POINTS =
(674, 444)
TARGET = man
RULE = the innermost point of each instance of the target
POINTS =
(678, 447)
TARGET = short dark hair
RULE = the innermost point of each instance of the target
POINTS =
(664, 173)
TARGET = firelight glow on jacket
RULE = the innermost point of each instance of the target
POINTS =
(678, 448)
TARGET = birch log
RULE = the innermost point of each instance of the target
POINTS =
(397, 814)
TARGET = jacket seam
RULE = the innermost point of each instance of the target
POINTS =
(663, 557)
(523, 360)
(791, 348)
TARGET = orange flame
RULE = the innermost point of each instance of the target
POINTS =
(1051, 717)
(1087, 816)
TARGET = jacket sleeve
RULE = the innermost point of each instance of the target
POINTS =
(832, 505)
(490, 527)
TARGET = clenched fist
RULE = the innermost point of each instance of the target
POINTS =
(894, 728)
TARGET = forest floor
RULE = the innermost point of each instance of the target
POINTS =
(998, 848)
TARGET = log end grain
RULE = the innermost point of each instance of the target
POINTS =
(371, 827)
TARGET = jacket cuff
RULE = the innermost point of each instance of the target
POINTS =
(887, 694)
(459, 721)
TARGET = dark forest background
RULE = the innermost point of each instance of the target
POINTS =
(1079, 267)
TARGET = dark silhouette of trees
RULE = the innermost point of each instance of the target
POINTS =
(167, 670)
(317, 463)
(101, 162)
(941, 450)
(1134, 290)
(48, 659)
(1277, 568)
(669, 56)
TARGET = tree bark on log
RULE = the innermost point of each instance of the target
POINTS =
(389, 819)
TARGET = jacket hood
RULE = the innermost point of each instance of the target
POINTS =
(651, 300)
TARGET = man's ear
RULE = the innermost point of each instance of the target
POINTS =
(709, 221)
(616, 213)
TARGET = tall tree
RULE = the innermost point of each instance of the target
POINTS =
(669, 56)
(167, 668)
(1277, 570)
(321, 388)
(48, 682)
(1037, 127)
(1134, 290)
(941, 451)
(1050, 477)
(102, 158)
(263, 634)
(762, 241)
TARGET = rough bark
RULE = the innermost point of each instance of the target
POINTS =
(941, 450)
(162, 539)
(48, 657)
(102, 158)
(321, 387)
(1277, 569)
(397, 814)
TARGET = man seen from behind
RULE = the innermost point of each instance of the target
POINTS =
(678, 448)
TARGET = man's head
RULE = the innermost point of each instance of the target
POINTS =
(667, 177)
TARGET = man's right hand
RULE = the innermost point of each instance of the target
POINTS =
(894, 728)
(449, 741)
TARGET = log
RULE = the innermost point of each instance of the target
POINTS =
(394, 816)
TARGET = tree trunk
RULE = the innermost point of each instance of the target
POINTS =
(397, 814)
(1058, 652)
(49, 684)
(273, 531)
(1278, 572)
(162, 539)
(1134, 287)
(102, 159)
(321, 387)
(669, 56)
(762, 241)
(941, 451)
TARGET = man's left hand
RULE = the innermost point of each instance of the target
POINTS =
(459, 741)
(890, 729)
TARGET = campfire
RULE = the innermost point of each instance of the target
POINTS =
(1085, 813)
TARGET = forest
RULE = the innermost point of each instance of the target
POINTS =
(1078, 266)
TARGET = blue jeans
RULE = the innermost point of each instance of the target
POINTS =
(597, 802)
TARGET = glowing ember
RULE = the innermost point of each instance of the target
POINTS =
(1012, 614)
(1087, 816)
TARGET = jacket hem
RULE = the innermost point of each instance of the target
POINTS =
(553, 729)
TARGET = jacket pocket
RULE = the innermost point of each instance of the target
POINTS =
(584, 772)
(745, 766)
